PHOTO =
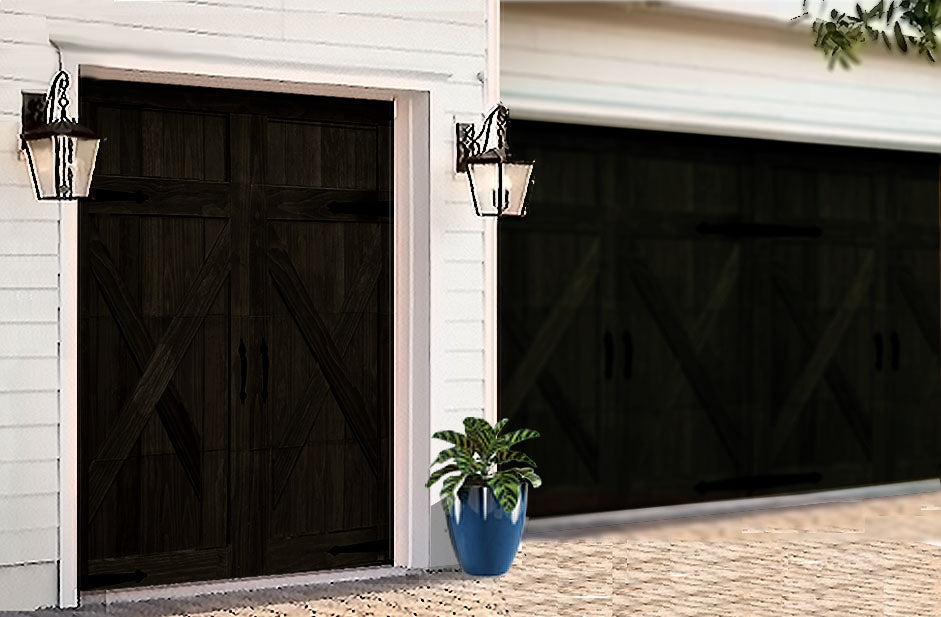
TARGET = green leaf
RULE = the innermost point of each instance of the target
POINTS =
(449, 489)
(888, 15)
(507, 456)
(885, 39)
(445, 455)
(821, 35)
(498, 427)
(506, 489)
(848, 52)
(900, 38)
(474, 424)
(530, 476)
(480, 431)
(458, 439)
(449, 436)
(466, 463)
(520, 435)
(440, 473)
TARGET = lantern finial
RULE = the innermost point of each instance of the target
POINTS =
(60, 84)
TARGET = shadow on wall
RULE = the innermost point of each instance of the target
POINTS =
(440, 552)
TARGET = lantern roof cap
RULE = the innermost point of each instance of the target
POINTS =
(495, 155)
(488, 156)
(63, 127)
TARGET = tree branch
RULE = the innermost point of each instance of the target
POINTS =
(902, 25)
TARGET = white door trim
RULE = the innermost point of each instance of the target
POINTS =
(413, 96)
(491, 324)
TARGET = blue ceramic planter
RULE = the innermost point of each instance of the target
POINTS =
(484, 536)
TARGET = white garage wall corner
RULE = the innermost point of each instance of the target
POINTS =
(492, 94)
(679, 69)
(29, 306)
(427, 55)
(465, 352)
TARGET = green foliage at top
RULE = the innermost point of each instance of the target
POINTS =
(902, 25)
(483, 454)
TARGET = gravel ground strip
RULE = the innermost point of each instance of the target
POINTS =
(860, 558)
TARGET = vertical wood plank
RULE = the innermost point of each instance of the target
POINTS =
(215, 148)
(152, 151)
(131, 138)
(193, 146)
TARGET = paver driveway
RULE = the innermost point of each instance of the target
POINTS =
(864, 557)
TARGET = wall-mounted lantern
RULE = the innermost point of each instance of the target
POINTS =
(498, 184)
(61, 152)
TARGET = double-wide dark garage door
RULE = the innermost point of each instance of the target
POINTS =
(235, 335)
(688, 318)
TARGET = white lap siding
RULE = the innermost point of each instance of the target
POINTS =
(443, 39)
(29, 334)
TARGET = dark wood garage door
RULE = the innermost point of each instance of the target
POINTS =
(689, 318)
(235, 335)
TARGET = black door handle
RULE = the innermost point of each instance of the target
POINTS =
(244, 369)
(264, 370)
(877, 342)
(608, 355)
(894, 343)
(628, 354)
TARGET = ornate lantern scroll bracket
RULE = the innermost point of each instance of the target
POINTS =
(471, 144)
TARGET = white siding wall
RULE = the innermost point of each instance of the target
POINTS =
(674, 68)
(29, 334)
(444, 39)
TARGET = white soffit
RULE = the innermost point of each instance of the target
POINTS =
(770, 10)
(681, 66)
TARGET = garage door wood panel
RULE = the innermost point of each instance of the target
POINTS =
(771, 310)
(824, 307)
(141, 446)
(677, 290)
(553, 272)
(228, 270)
(329, 417)
(911, 365)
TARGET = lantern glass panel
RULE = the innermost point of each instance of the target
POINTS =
(515, 185)
(83, 165)
(42, 157)
(484, 182)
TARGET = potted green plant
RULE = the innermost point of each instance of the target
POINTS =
(483, 493)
